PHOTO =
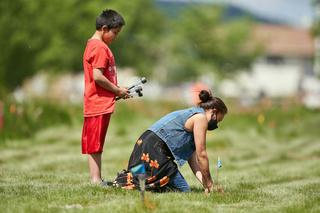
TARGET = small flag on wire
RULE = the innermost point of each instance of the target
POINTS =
(219, 163)
(138, 169)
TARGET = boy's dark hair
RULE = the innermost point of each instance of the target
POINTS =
(110, 19)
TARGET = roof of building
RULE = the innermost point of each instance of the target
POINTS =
(282, 40)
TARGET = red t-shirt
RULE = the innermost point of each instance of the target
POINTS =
(97, 100)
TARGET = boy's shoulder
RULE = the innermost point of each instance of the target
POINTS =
(96, 43)
(94, 46)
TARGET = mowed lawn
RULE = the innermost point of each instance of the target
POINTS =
(270, 157)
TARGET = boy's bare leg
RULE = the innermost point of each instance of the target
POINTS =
(95, 167)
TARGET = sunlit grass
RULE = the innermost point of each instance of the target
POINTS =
(265, 169)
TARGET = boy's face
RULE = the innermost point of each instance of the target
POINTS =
(110, 34)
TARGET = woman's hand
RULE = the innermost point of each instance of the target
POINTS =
(209, 188)
(220, 189)
(214, 188)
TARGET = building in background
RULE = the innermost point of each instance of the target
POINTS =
(283, 70)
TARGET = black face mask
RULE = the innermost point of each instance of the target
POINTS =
(212, 125)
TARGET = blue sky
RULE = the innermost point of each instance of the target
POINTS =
(294, 12)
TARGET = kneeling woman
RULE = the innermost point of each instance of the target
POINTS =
(178, 137)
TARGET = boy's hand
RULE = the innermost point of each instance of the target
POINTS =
(122, 92)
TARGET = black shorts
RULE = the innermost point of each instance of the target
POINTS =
(158, 160)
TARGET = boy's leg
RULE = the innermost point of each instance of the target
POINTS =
(178, 182)
(93, 137)
(95, 167)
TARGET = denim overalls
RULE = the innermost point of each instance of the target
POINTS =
(170, 129)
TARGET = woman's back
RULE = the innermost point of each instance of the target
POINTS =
(171, 129)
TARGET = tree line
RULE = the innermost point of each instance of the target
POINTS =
(50, 36)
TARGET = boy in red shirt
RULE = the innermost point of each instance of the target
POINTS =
(100, 88)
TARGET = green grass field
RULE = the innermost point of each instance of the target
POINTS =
(271, 163)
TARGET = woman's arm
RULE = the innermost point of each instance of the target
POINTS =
(200, 126)
(195, 167)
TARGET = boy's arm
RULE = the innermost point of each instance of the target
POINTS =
(102, 81)
(199, 131)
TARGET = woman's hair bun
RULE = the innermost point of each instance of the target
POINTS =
(205, 96)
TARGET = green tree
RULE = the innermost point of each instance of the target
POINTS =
(202, 43)
(51, 35)
(316, 23)
(41, 35)
(140, 40)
